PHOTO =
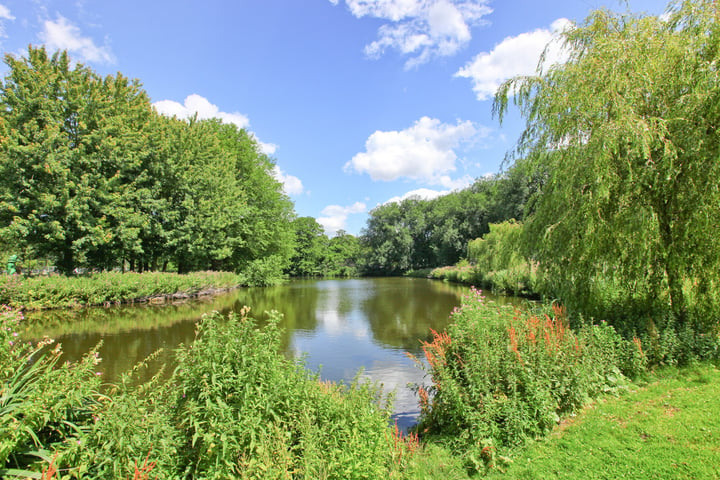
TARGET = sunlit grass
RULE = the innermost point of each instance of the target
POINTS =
(668, 427)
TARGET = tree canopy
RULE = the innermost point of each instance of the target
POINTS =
(92, 176)
(418, 234)
(626, 132)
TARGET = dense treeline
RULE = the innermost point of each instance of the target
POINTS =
(317, 255)
(417, 234)
(92, 176)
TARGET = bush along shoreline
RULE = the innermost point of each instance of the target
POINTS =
(237, 408)
(233, 408)
(501, 377)
(107, 288)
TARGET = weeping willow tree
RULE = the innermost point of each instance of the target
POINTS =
(625, 133)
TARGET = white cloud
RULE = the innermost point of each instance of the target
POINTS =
(334, 216)
(422, 29)
(198, 104)
(4, 15)
(63, 35)
(423, 152)
(421, 193)
(513, 56)
(266, 148)
(291, 184)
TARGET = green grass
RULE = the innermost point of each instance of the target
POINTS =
(666, 427)
(37, 293)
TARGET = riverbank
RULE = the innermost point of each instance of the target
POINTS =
(665, 426)
(111, 288)
(518, 281)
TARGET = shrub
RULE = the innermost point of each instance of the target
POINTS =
(501, 376)
(235, 407)
(45, 405)
(248, 412)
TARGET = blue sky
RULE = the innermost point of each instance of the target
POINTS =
(358, 101)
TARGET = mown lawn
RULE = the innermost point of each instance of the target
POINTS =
(667, 426)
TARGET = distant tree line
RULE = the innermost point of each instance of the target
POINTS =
(417, 234)
(92, 176)
(317, 255)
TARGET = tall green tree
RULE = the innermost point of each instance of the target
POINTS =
(268, 236)
(627, 132)
(73, 145)
(343, 258)
(310, 248)
(387, 241)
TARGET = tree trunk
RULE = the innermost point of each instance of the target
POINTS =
(671, 265)
(67, 262)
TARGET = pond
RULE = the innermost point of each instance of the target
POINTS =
(338, 326)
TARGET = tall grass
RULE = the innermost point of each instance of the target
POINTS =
(45, 405)
(57, 291)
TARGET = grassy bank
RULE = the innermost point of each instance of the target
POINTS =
(35, 293)
(666, 427)
(512, 391)
(503, 378)
(519, 280)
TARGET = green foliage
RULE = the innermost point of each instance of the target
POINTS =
(45, 405)
(499, 260)
(263, 272)
(501, 376)
(130, 424)
(415, 234)
(107, 287)
(245, 408)
(76, 145)
(310, 248)
(624, 135)
(466, 274)
(92, 176)
(235, 407)
(318, 256)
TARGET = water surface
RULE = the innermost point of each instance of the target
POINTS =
(338, 326)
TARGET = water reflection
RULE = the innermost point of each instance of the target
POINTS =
(338, 326)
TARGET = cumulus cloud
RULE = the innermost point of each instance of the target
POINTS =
(63, 35)
(198, 104)
(424, 152)
(334, 216)
(291, 184)
(4, 15)
(421, 193)
(421, 29)
(513, 56)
